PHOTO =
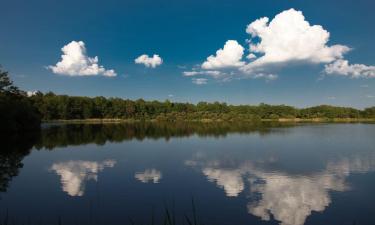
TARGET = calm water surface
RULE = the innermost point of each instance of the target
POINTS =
(236, 173)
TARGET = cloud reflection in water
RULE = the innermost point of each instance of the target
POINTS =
(74, 173)
(149, 175)
(287, 198)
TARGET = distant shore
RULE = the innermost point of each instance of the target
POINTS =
(282, 120)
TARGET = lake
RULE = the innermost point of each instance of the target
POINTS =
(263, 173)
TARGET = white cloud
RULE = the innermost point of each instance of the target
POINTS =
(342, 67)
(75, 62)
(110, 73)
(285, 40)
(266, 76)
(199, 81)
(364, 86)
(31, 93)
(152, 62)
(370, 96)
(212, 73)
(149, 175)
(192, 73)
(289, 37)
(251, 56)
(75, 173)
(229, 56)
(228, 76)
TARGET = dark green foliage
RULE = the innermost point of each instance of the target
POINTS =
(326, 111)
(17, 113)
(54, 107)
(369, 112)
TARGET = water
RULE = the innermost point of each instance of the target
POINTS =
(236, 174)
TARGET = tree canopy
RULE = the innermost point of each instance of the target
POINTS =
(55, 107)
(17, 113)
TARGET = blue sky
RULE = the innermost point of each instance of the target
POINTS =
(183, 34)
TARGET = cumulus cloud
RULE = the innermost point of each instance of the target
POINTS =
(148, 61)
(342, 67)
(285, 40)
(199, 81)
(149, 175)
(289, 37)
(75, 173)
(75, 62)
(229, 56)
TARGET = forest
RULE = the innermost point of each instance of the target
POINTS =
(64, 107)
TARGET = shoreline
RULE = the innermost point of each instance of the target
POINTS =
(281, 120)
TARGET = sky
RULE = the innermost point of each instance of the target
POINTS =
(299, 53)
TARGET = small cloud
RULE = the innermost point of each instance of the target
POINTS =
(370, 96)
(181, 66)
(110, 73)
(31, 93)
(331, 98)
(267, 77)
(199, 81)
(364, 86)
(170, 96)
(191, 73)
(229, 56)
(75, 62)
(152, 62)
(212, 73)
(251, 56)
(342, 67)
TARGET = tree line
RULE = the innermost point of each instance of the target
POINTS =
(55, 107)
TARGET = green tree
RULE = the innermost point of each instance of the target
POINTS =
(17, 113)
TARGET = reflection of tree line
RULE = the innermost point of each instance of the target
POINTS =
(15, 148)
(77, 134)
